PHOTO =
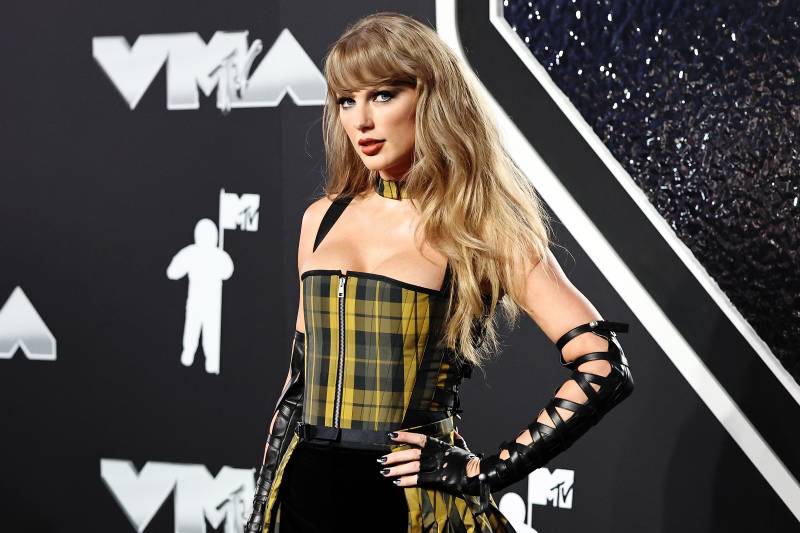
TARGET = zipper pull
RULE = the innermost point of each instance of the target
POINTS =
(341, 286)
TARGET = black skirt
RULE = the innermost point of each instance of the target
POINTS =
(339, 489)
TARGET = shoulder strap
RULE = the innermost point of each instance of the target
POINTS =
(329, 219)
(448, 278)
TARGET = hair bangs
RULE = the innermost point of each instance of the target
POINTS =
(364, 61)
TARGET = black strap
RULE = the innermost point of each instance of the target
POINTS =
(331, 216)
(604, 326)
(448, 278)
(365, 438)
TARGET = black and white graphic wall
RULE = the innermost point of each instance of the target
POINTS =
(157, 159)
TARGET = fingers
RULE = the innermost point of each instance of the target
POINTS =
(402, 456)
(406, 481)
(418, 439)
(406, 461)
(474, 467)
(401, 469)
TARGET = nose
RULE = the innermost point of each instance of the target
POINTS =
(364, 119)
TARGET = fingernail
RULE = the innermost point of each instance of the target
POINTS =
(385, 471)
(381, 459)
(396, 481)
(393, 434)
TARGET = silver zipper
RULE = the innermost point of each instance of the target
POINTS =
(337, 406)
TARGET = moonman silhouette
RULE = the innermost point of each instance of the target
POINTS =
(207, 267)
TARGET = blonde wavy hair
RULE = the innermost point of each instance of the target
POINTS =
(476, 207)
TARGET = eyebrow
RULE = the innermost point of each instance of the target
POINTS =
(352, 92)
(375, 89)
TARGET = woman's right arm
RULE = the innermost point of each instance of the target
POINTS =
(288, 408)
(299, 326)
(312, 217)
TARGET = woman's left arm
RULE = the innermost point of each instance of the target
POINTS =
(599, 381)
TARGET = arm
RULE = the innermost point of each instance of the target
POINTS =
(299, 328)
(287, 414)
(558, 307)
(599, 381)
(288, 409)
(275, 414)
(177, 266)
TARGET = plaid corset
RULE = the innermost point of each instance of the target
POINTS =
(375, 359)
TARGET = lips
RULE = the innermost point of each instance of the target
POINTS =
(371, 147)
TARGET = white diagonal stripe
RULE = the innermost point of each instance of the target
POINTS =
(652, 317)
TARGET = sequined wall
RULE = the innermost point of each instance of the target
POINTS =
(699, 101)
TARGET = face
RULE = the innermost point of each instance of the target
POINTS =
(385, 114)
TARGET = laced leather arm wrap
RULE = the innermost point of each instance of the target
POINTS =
(443, 465)
(548, 442)
(288, 412)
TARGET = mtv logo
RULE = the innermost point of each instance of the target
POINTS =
(198, 496)
(546, 488)
(238, 211)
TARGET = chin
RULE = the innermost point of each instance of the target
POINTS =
(374, 164)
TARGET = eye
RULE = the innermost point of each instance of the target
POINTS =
(388, 94)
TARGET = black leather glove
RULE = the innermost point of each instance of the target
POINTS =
(289, 410)
(443, 466)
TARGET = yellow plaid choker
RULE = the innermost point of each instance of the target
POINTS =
(389, 188)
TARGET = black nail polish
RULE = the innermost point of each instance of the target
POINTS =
(385, 471)
(396, 481)
(381, 459)
(393, 434)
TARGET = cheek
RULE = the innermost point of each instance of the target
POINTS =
(410, 128)
(348, 128)
(404, 126)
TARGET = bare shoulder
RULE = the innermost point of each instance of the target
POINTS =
(312, 218)
(316, 210)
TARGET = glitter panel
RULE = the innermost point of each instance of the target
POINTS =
(700, 103)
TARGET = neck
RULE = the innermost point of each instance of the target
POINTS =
(390, 188)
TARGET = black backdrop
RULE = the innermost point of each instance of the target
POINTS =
(105, 430)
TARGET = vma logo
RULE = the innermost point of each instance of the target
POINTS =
(223, 63)
(21, 327)
(197, 495)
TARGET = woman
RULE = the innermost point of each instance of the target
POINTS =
(426, 231)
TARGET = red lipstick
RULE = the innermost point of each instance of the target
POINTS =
(370, 146)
